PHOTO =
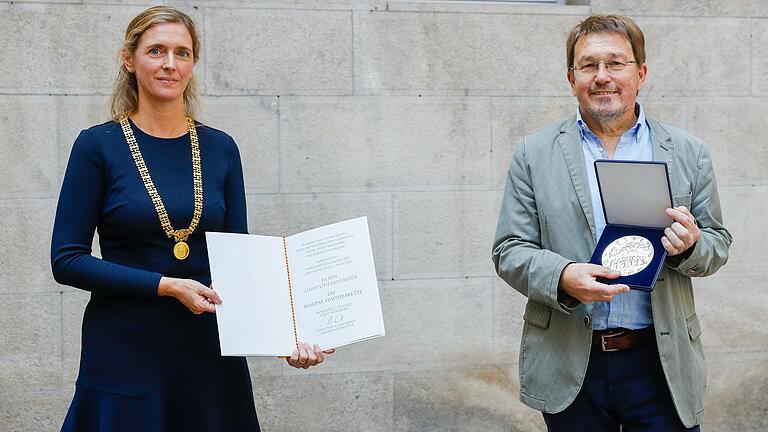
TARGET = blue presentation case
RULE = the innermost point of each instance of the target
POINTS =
(635, 196)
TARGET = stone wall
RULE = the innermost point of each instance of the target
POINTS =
(406, 112)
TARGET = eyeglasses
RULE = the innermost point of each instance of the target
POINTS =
(611, 66)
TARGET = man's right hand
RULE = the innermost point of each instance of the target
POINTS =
(578, 280)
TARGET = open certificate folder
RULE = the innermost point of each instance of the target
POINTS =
(318, 286)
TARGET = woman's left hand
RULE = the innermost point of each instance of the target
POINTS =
(308, 355)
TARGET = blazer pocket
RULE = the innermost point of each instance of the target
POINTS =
(537, 314)
(682, 200)
(694, 327)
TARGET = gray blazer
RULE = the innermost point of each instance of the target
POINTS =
(546, 222)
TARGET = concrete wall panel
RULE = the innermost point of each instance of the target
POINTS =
(25, 236)
(28, 153)
(743, 210)
(444, 234)
(252, 122)
(463, 399)
(760, 56)
(726, 304)
(731, 128)
(342, 402)
(33, 412)
(737, 386)
(442, 53)
(60, 48)
(330, 144)
(424, 322)
(30, 334)
(499, 7)
(676, 66)
(691, 8)
(288, 52)
(260, 367)
(366, 5)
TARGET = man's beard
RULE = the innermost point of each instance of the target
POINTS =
(603, 112)
(606, 114)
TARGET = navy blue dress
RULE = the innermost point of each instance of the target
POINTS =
(148, 363)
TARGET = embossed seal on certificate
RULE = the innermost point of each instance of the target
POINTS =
(628, 255)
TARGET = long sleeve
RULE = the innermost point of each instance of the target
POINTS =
(711, 251)
(77, 215)
(236, 218)
(517, 249)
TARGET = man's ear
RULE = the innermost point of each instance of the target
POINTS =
(127, 60)
(642, 75)
(571, 82)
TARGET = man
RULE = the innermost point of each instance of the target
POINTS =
(595, 356)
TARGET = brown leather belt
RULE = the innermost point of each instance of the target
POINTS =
(620, 339)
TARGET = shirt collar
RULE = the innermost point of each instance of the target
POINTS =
(639, 126)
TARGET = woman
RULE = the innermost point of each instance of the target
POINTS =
(152, 181)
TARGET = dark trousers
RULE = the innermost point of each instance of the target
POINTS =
(623, 390)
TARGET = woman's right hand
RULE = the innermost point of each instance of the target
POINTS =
(305, 355)
(197, 297)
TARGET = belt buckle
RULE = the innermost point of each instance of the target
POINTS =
(603, 341)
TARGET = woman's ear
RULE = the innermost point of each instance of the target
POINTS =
(127, 60)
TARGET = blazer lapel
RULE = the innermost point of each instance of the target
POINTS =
(570, 144)
(663, 150)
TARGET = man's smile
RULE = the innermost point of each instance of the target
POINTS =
(604, 92)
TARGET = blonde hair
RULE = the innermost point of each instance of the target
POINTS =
(125, 94)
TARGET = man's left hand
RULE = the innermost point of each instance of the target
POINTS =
(682, 234)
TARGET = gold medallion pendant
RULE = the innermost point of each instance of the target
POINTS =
(181, 248)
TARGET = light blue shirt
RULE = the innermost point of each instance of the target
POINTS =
(630, 310)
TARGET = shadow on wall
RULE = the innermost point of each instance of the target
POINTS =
(467, 399)
(742, 400)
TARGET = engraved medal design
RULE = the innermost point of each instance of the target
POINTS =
(628, 255)
(181, 250)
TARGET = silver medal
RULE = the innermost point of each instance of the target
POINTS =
(628, 255)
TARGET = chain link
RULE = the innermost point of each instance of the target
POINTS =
(180, 235)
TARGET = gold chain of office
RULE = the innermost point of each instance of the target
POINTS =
(180, 249)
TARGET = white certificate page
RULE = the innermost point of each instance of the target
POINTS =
(249, 274)
(335, 293)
